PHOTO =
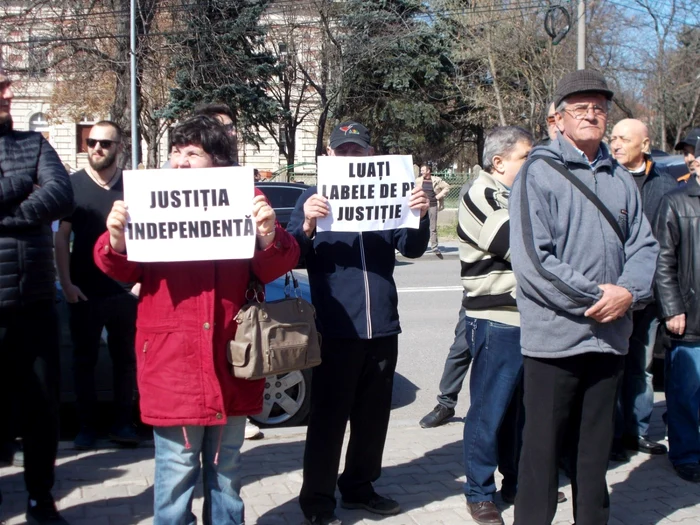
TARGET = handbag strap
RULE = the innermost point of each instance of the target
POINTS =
(573, 179)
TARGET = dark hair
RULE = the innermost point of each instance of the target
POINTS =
(214, 109)
(209, 134)
(111, 124)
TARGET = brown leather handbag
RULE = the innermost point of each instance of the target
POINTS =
(274, 337)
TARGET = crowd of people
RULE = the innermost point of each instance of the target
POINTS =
(573, 252)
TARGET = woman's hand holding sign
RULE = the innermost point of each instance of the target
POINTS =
(419, 201)
(116, 224)
(316, 206)
(265, 218)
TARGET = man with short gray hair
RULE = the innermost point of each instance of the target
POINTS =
(491, 428)
(584, 256)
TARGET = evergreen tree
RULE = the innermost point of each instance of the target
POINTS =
(396, 75)
(222, 58)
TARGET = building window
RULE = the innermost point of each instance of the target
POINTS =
(39, 122)
(82, 132)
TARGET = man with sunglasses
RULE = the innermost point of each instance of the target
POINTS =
(97, 301)
(583, 256)
(34, 191)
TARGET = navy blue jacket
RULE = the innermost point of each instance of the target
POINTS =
(657, 183)
(352, 275)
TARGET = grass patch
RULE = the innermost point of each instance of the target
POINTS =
(447, 232)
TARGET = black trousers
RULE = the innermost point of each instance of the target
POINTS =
(29, 378)
(87, 320)
(582, 387)
(353, 382)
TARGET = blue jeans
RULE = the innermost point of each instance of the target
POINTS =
(177, 470)
(497, 370)
(456, 365)
(683, 402)
(636, 398)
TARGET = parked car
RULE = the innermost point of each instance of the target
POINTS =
(286, 396)
(673, 164)
(283, 196)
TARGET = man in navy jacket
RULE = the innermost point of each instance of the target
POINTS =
(353, 290)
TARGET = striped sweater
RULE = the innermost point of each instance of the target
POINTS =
(484, 252)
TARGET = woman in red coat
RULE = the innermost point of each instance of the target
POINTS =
(185, 318)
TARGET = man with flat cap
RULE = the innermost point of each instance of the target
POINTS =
(687, 146)
(583, 256)
(353, 290)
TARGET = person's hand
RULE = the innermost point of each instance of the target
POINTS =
(72, 293)
(117, 220)
(264, 217)
(315, 206)
(614, 304)
(419, 201)
(676, 324)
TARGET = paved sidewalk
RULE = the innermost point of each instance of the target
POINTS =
(422, 469)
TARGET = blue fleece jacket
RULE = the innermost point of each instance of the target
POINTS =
(562, 248)
(351, 275)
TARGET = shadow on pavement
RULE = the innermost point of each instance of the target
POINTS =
(430, 478)
(404, 392)
(92, 487)
(652, 491)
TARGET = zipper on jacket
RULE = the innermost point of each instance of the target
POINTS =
(596, 326)
(368, 309)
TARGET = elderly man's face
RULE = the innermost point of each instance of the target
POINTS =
(190, 156)
(551, 122)
(584, 118)
(628, 144)
(6, 96)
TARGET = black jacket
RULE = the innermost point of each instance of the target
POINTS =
(677, 228)
(352, 275)
(657, 183)
(34, 191)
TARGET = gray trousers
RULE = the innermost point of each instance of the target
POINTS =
(433, 215)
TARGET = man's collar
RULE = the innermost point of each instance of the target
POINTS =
(571, 154)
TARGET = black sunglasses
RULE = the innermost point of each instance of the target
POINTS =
(104, 144)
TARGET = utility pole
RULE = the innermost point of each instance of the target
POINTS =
(134, 102)
(581, 61)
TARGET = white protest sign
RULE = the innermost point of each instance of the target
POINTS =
(193, 214)
(367, 193)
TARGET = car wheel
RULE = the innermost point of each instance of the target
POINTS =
(286, 400)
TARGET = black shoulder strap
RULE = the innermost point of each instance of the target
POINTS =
(587, 193)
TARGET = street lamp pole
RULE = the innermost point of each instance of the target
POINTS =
(134, 101)
(581, 58)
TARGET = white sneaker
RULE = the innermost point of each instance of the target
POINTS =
(252, 431)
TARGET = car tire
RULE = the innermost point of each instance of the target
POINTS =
(286, 400)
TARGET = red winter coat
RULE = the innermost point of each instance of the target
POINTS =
(185, 318)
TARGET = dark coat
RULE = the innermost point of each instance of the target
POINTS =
(34, 191)
(677, 229)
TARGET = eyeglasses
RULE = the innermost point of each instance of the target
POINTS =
(104, 144)
(581, 112)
